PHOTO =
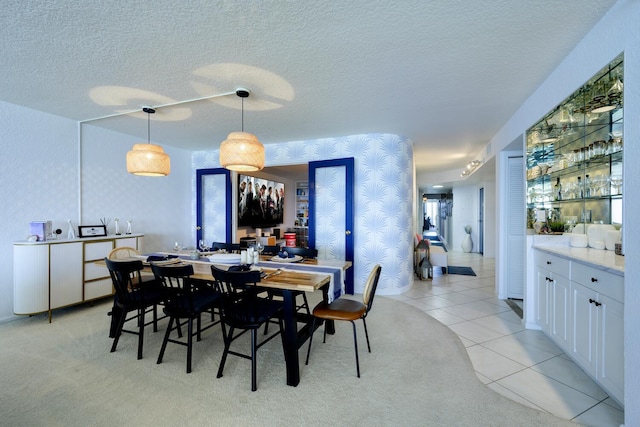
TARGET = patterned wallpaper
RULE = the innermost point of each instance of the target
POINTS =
(383, 210)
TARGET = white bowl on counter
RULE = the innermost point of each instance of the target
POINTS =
(578, 240)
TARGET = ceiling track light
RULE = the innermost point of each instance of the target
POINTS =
(471, 166)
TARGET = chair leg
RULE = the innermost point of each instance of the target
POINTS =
(165, 340)
(313, 327)
(155, 318)
(266, 324)
(364, 322)
(355, 344)
(227, 344)
(140, 331)
(190, 341)
(254, 364)
(118, 331)
(199, 326)
(306, 303)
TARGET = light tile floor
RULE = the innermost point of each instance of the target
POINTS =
(521, 364)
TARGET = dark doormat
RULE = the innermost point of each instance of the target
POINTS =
(465, 271)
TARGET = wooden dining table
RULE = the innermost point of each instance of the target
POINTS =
(289, 282)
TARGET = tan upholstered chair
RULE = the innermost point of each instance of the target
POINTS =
(350, 310)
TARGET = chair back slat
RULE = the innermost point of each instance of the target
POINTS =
(239, 292)
(126, 279)
(177, 288)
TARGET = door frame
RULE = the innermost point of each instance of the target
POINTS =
(200, 173)
(348, 163)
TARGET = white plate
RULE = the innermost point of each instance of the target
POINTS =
(295, 258)
(225, 258)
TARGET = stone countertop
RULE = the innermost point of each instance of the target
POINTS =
(602, 259)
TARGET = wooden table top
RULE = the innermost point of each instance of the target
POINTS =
(284, 279)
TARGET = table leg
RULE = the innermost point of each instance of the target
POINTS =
(290, 338)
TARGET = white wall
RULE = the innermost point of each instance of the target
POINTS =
(465, 212)
(39, 179)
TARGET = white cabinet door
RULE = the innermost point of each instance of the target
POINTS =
(560, 311)
(66, 274)
(611, 346)
(584, 327)
(542, 299)
(30, 279)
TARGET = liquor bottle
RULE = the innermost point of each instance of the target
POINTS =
(587, 186)
(580, 190)
(557, 190)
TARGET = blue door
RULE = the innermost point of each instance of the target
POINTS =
(331, 211)
(214, 218)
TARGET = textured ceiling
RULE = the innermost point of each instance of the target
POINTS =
(445, 74)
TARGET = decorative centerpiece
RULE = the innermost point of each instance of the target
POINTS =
(467, 243)
(70, 233)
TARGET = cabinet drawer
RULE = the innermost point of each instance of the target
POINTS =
(97, 250)
(93, 271)
(603, 282)
(553, 263)
(97, 289)
(131, 242)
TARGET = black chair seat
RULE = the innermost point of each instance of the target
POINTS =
(200, 301)
(253, 312)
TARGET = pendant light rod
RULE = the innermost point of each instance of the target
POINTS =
(149, 112)
(242, 93)
(169, 104)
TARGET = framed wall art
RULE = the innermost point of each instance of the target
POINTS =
(92, 230)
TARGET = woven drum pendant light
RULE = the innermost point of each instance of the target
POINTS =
(148, 159)
(242, 151)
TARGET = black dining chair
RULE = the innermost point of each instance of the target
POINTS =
(271, 250)
(303, 252)
(350, 310)
(229, 247)
(243, 309)
(183, 299)
(133, 294)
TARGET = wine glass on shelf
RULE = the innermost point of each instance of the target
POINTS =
(616, 183)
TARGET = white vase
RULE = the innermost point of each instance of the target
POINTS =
(467, 243)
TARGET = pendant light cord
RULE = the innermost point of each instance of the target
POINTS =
(242, 115)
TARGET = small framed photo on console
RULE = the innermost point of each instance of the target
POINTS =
(92, 230)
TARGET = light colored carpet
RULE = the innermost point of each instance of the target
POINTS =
(62, 374)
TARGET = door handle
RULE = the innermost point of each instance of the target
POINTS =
(348, 232)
